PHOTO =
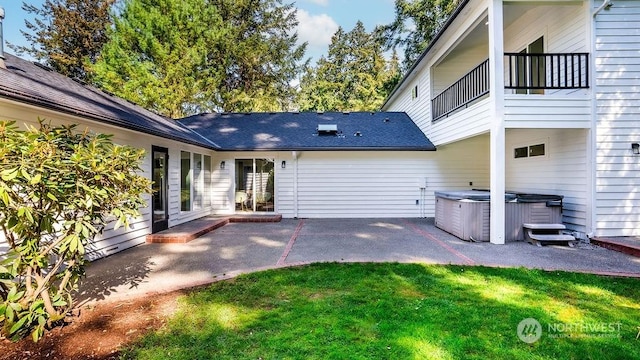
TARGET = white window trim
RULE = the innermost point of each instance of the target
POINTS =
(528, 146)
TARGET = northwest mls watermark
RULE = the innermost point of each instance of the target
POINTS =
(530, 330)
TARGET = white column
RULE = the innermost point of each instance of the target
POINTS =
(592, 134)
(497, 134)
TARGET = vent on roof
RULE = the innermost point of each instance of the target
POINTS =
(327, 129)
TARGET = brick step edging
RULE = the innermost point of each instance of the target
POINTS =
(179, 237)
(616, 246)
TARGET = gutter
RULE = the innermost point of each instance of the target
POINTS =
(606, 4)
(413, 148)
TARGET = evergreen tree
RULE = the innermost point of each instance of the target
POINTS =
(66, 34)
(157, 55)
(179, 57)
(352, 77)
(415, 25)
(260, 55)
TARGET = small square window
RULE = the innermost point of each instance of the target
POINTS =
(521, 152)
(536, 150)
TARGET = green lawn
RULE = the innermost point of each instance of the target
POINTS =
(402, 311)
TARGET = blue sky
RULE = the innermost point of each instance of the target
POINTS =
(319, 19)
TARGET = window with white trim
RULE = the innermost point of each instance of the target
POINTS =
(185, 181)
(195, 181)
(529, 151)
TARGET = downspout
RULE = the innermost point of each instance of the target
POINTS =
(2, 64)
(294, 154)
(606, 4)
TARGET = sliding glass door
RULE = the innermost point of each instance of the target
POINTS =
(255, 185)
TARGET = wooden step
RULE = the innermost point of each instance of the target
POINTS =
(544, 226)
(551, 237)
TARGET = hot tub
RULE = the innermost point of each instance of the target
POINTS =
(466, 213)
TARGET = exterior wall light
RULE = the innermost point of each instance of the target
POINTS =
(222, 165)
(283, 164)
(635, 148)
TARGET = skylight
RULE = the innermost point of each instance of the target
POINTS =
(327, 129)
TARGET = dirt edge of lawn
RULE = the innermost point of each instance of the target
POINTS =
(99, 331)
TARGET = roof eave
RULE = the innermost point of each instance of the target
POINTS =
(95, 117)
(435, 39)
(410, 148)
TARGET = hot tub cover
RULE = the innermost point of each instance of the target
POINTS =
(485, 195)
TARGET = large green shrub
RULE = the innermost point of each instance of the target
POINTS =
(59, 188)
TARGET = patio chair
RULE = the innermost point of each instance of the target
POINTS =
(241, 198)
(263, 200)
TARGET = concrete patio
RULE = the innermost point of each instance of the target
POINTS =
(245, 247)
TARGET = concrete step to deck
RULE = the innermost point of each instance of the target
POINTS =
(186, 232)
(630, 246)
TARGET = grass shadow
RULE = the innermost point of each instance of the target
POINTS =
(399, 311)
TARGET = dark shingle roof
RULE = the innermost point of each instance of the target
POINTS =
(298, 131)
(34, 84)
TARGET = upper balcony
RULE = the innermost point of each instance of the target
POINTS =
(557, 75)
(546, 71)
(541, 57)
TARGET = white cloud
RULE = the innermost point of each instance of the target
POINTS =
(316, 30)
(319, 2)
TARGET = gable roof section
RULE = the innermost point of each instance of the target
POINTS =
(26, 82)
(299, 131)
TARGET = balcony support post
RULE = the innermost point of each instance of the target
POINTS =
(497, 129)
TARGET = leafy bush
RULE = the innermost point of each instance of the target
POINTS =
(59, 188)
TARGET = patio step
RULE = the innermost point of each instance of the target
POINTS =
(541, 233)
(627, 245)
(188, 231)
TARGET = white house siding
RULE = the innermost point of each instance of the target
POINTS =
(563, 27)
(462, 124)
(418, 109)
(456, 65)
(617, 69)
(563, 170)
(359, 184)
(113, 241)
(543, 111)
(222, 184)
